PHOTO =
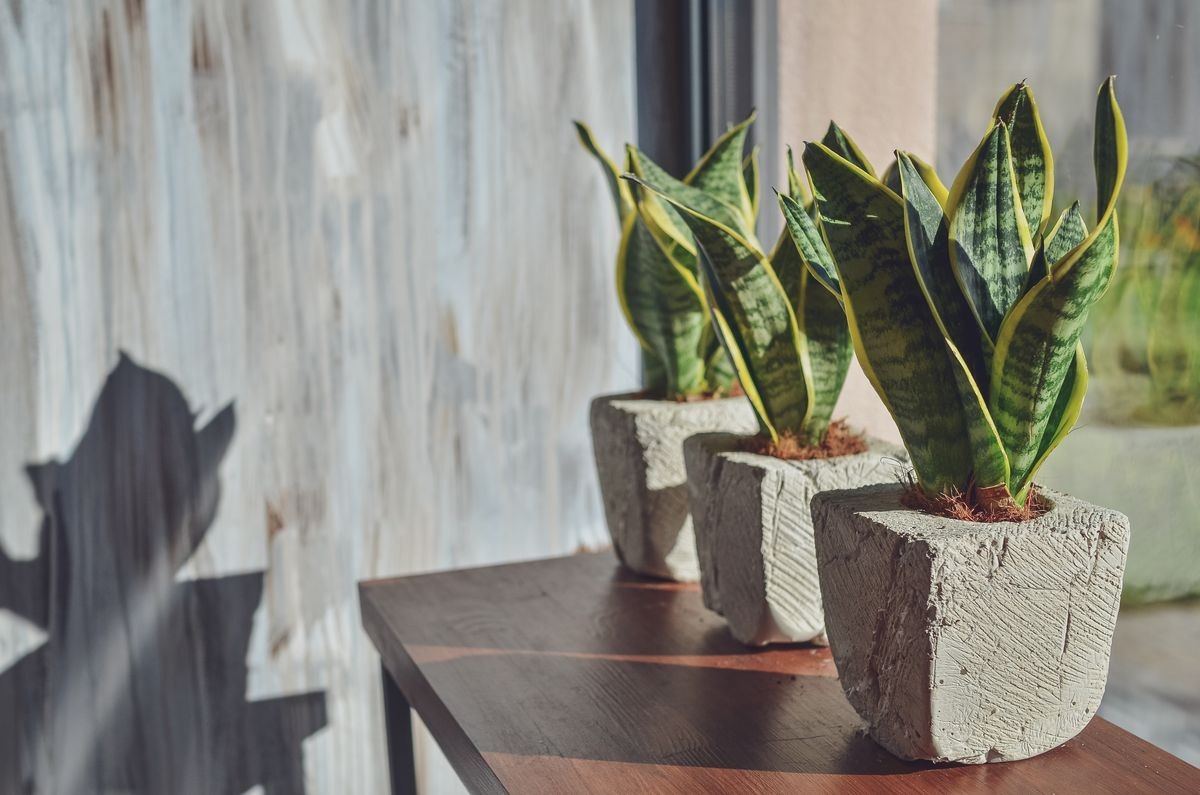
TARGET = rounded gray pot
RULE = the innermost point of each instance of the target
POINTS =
(638, 445)
(969, 642)
(754, 532)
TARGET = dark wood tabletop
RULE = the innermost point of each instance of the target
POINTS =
(571, 675)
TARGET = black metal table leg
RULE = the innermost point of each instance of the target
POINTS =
(397, 718)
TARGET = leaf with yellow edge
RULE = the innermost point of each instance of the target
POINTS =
(761, 321)
(665, 311)
(838, 141)
(990, 244)
(750, 174)
(720, 172)
(1033, 161)
(897, 340)
(927, 235)
(621, 195)
(1037, 345)
(808, 241)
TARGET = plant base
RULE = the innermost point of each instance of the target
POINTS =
(639, 460)
(754, 531)
(969, 642)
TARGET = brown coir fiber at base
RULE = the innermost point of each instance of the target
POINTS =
(960, 506)
(840, 440)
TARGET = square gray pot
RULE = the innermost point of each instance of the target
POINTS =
(967, 641)
(639, 460)
(754, 538)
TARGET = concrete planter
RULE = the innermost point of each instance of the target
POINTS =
(639, 459)
(1148, 473)
(754, 532)
(969, 642)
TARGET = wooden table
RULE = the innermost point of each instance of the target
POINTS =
(571, 675)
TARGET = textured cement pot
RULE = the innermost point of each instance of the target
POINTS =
(969, 642)
(1150, 474)
(639, 459)
(754, 533)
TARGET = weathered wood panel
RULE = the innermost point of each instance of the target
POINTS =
(368, 225)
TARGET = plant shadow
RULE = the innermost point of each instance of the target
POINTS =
(140, 684)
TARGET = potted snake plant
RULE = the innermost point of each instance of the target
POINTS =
(786, 334)
(970, 613)
(637, 437)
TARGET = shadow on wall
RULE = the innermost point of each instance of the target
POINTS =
(140, 685)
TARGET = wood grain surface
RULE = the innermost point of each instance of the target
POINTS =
(368, 225)
(569, 675)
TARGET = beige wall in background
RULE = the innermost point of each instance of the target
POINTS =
(876, 74)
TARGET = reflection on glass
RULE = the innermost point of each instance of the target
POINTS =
(1145, 334)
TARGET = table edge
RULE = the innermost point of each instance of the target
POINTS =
(466, 759)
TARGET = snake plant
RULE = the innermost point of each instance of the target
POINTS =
(966, 305)
(658, 282)
(786, 336)
(1145, 333)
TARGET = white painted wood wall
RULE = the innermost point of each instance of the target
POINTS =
(368, 224)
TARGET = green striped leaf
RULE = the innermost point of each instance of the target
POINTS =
(1038, 267)
(990, 245)
(760, 319)
(1037, 345)
(1032, 160)
(989, 462)
(664, 223)
(622, 198)
(930, 178)
(667, 216)
(720, 173)
(822, 323)
(719, 372)
(665, 311)
(734, 345)
(838, 141)
(1062, 417)
(927, 236)
(807, 239)
(895, 335)
(816, 303)
(1068, 232)
(1110, 139)
(750, 174)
